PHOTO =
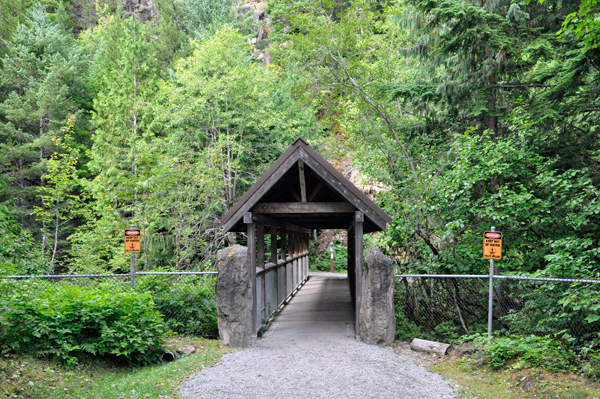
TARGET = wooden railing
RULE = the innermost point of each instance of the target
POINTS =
(277, 283)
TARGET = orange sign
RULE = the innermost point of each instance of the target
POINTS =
(492, 245)
(132, 241)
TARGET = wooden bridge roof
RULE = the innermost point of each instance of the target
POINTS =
(303, 189)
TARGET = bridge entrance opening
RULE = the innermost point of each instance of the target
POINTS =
(300, 193)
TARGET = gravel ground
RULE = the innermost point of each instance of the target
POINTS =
(318, 367)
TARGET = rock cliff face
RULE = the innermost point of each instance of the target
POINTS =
(84, 13)
(257, 8)
(233, 295)
(145, 10)
(377, 318)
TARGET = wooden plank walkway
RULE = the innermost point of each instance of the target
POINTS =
(321, 309)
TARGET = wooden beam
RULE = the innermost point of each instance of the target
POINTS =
(316, 191)
(263, 189)
(267, 221)
(345, 191)
(296, 195)
(302, 180)
(309, 207)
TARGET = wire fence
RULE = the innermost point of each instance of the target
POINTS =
(185, 299)
(445, 307)
(437, 307)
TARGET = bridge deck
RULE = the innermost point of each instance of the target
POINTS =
(322, 308)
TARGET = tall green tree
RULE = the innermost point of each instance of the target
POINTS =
(124, 76)
(224, 118)
(60, 197)
(41, 85)
(13, 14)
(405, 80)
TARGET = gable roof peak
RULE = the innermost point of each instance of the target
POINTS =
(301, 150)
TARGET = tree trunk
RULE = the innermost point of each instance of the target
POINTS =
(421, 345)
(55, 231)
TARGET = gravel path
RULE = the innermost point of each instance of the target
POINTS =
(310, 352)
(309, 368)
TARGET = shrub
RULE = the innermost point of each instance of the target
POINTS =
(543, 352)
(406, 330)
(67, 322)
(340, 263)
(187, 303)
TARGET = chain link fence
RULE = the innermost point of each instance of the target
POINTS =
(444, 308)
(185, 299)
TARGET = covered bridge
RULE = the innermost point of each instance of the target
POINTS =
(300, 192)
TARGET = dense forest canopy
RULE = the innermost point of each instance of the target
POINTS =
(465, 114)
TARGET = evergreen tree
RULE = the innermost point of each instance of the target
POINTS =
(41, 85)
(124, 76)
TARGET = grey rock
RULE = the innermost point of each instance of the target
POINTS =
(377, 319)
(263, 32)
(187, 350)
(233, 295)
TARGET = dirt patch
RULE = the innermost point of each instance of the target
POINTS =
(526, 382)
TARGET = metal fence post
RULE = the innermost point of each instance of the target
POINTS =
(491, 296)
(132, 272)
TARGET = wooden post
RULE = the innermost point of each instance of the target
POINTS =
(274, 245)
(307, 253)
(307, 250)
(359, 219)
(303, 254)
(290, 252)
(294, 262)
(275, 268)
(351, 262)
(284, 252)
(302, 181)
(296, 254)
(252, 265)
(304, 257)
(260, 262)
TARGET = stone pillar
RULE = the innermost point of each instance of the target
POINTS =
(377, 316)
(233, 295)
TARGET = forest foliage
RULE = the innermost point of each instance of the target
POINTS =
(160, 115)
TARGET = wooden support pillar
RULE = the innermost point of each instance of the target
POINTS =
(351, 262)
(274, 245)
(276, 269)
(284, 254)
(359, 219)
(307, 250)
(302, 181)
(301, 260)
(260, 262)
(290, 266)
(295, 261)
(250, 231)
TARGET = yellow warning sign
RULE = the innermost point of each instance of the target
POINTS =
(492, 245)
(132, 241)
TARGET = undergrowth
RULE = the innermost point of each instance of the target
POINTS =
(70, 323)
